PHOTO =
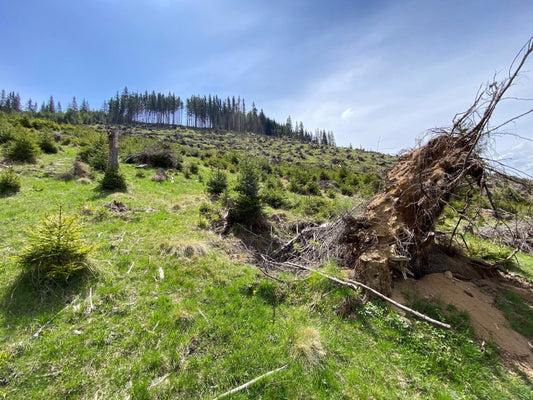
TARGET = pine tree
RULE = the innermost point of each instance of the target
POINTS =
(84, 106)
(51, 106)
(3, 100)
(248, 202)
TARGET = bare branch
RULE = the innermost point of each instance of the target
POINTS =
(239, 388)
(356, 285)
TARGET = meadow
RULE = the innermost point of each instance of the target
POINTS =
(169, 308)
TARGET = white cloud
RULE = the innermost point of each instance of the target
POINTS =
(347, 114)
(518, 156)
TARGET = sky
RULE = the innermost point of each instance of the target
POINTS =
(377, 73)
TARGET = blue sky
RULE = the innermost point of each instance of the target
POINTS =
(377, 73)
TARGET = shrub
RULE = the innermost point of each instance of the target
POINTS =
(347, 190)
(342, 174)
(275, 198)
(155, 157)
(312, 188)
(217, 183)
(248, 202)
(95, 152)
(274, 193)
(317, 207)
(79, 170)
(23, 149)
(41, 124)
(47, 144)
(56, 249)
(9, 182)
(296, 187)
(368, 183)
(324, 176)
(25, 121)
(193, 168)
(7, 132)
(113, 181)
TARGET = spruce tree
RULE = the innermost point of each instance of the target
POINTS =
(247, 207)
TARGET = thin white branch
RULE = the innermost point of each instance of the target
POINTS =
(130, 268)
(237, 389)
(355, 285)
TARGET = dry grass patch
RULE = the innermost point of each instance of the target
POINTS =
(306, 344)
(188, 249)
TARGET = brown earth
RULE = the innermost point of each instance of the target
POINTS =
(477, 298)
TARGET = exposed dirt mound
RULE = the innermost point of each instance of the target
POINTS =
(488, 322)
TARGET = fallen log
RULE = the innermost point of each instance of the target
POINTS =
(354, 285)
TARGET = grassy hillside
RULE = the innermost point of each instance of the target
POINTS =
(170, 309)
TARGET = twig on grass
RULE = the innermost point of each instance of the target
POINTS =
(239, 388)
(356, 285)
(203, 315)
(91, 306)
(130, 268)
(158, 381)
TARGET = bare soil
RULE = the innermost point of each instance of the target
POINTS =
(477, 298)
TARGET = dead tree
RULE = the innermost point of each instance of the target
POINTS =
(401, 219)
(112, 156)
(398, 224)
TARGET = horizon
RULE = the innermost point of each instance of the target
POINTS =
(378, 75)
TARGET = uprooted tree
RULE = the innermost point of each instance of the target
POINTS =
(395, 232)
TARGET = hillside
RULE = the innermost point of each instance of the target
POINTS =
(170, 308)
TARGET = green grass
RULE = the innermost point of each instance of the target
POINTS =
(174, 311)
(518, 312)
(524, 265)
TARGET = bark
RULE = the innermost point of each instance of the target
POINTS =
(112, 158)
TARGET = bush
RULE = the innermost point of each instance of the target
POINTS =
(275, 198)
(23, 149)
(296, 187)
(347, 190)
(79, 170)
(274, 193)
(155, 157)
(47, 144)
(41, 124)
(193, 168)
(7, 132)
(25, 121)
(217, 183)
(95, 152)
(368, 183)
(317, 207)
(57, 249)
(113, 181)
(9, 182)
(313, 188)
(248, 202)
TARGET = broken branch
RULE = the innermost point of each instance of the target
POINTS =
(237, 389)
(356, 285)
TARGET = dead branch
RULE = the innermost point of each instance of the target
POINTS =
(239, 388)
(91, 306)
(354, 285)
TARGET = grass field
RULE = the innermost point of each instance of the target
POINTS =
(171, 310)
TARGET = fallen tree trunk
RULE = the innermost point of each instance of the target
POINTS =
(356, 285)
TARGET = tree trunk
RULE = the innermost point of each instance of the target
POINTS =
(112, 158)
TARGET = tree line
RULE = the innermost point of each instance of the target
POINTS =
(212, 112)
